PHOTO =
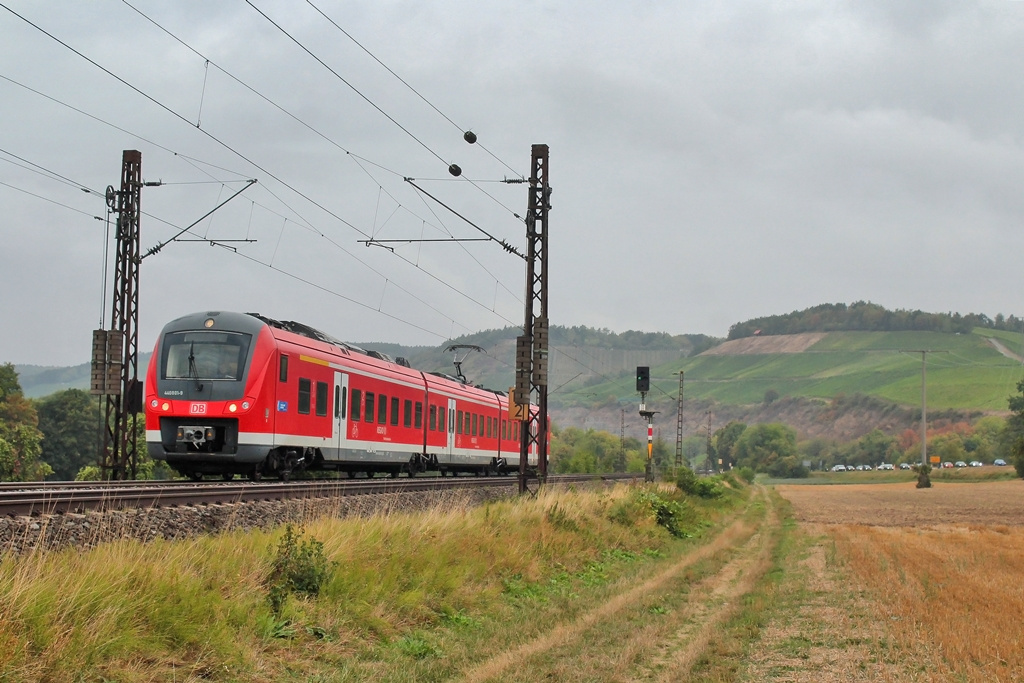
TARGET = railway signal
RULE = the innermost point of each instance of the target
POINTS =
(643, 385)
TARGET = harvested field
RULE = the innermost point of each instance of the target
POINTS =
(931, 585)
(988, 503)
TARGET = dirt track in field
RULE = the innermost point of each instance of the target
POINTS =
(664, 651)
(988, 503)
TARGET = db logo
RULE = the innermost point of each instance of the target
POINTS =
(197, 409)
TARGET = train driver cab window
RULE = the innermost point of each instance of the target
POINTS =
(357, 404)
(205, 355)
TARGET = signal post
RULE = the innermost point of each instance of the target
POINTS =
(643, 385)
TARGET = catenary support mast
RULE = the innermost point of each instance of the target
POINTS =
(119, 456)
(532, 346)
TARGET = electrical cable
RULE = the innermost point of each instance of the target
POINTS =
(416, 92)
(219, 142)
(352, 87)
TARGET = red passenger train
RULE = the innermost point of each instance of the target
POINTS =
(239, 393)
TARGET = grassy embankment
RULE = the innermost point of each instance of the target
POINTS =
(407, 596)
(964, 371)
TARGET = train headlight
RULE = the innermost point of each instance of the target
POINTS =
(154, 403)
(232, 408)
(166, 406)
(245, 405)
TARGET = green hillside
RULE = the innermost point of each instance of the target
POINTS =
(964, 371)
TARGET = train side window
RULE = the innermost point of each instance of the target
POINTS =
(474, 423)
(344, 403)
(419, 415)
(490, 428)
(321, 399)
(305, 385)
(357, 404)
(408, 413)
(284, 368)
(382, 410)
(458, 424)
(466, 426)
(394, 411)
(451, 419)
(433, 418)
(369, 406)
(337, 401)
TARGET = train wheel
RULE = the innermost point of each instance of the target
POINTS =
(195, 476)
(227, 476)
(255, 475)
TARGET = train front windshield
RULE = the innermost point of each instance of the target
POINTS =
(205, 355)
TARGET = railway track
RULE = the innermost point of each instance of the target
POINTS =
(40, 498)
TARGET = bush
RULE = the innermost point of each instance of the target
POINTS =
(300, 567)
(692, 485)
(747, 474)
(668, 513)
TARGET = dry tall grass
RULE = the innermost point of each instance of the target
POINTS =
(957, 590)
(198, 608)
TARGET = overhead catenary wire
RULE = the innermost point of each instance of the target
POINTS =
(466, 133)
(346, 82)
(218, 141)
(214, 138)
(53, 175)
(207, 61)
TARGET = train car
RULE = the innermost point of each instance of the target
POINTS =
(238, 393)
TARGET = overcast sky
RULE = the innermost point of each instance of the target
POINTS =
(710, 161)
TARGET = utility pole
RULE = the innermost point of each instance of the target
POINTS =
(707, 448)
(532, 346)
(924, 408)
(679, 424)
(924, 412)
(116, 351)
(622, 443)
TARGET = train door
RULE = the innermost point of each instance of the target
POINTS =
(340, 436)
(451, 428)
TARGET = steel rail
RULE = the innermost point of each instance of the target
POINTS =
(39, 498)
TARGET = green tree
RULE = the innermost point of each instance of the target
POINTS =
(69, 422)
(1013, 434)
(724, 442)
(760, 446)
(19, 432)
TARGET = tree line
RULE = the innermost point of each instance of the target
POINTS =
(56, 437)
(868, 317)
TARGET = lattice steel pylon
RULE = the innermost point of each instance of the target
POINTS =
(532, 346)
(679, 423)
(119, 452)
